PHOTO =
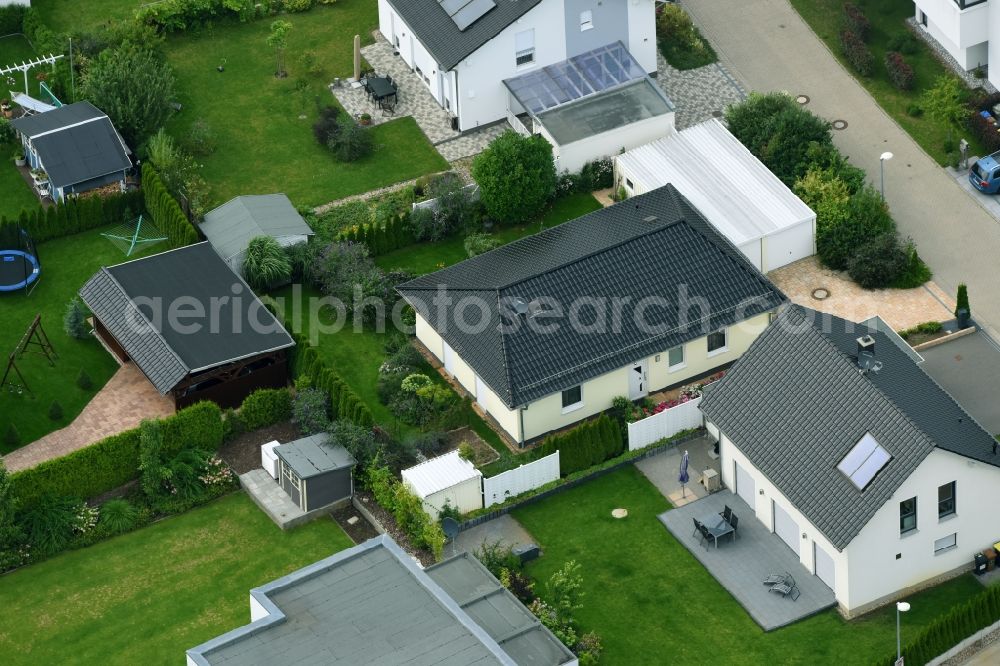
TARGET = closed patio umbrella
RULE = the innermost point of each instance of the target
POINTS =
(357, 57)
(683, 475)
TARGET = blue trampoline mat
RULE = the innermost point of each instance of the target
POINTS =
(17, 269)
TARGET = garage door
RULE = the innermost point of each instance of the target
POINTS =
(824, 566)
(785, 527)
(745, 487)
(789, 245)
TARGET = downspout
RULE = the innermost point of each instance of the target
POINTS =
(520, 432)
(458, 101)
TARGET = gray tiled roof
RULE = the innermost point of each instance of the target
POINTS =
(231, 226)
(647, 246)
(439, 34)
(372, 605)
(314, 455)
(796, 403)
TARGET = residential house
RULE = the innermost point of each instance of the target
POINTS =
(624, 301)
(847, 450)
(230, 227)
(963, 29)
(464, 49)
(740, 196)
(372, 604)
(190, 324)
(75, 147)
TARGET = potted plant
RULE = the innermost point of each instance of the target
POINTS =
(5, 107)
(19, 156)
(366, 119)
(962, 312)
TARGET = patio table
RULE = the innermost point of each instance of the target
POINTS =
(717, 527)
(381, 89)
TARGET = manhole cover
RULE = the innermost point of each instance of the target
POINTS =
(802, 99)
(619, 513)
(716, 114)
(821, 293)
(839, 124)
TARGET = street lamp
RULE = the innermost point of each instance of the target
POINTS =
(883, 158)
(901, 607)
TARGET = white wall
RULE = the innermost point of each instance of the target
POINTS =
(571, 157)
(667, 423)
(875, 571)
(466, 496)
(498, 489)
(412, 52)
(962, 33)
(642, 33)
(788, 245)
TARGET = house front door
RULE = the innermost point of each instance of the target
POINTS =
(637, 381)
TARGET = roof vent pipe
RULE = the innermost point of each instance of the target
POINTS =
(650, 219)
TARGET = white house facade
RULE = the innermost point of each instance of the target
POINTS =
(876, 479)
(962, 27)
(463, 68)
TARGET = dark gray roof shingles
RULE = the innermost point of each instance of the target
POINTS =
(796, 403)
(313, 455)
(614, 254)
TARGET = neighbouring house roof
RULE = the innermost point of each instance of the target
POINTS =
(75, 143)
(655, 245)
(231, 226)
(440, 35)
(133, 300)
(372, 604)
(797, 402)
(314, 455)
(721, 178)
(440, 473)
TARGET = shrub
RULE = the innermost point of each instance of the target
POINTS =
(900, 73)
(597, 175)
(48, 524)
(426, 225)
(165, 210)
(11, 437)
(915, 272)
(857, 52)
(327, 125)
(83, 380)
(466, 452)
(855, 21)
(265, 264)
(866, 218)
(904, 42)
(351, 143)
(309, 410)
(516, 176)
(915, 111)
(679, 40)
(476, 244)
(11, 534)
(565, 589)
(985, 131)
(962, 300)
(265, 407)
(497, 556)
(55, 411)
(360, 442)
(877, 263)
(431, 443)
(75, 320)
(200, 139)
(118, 516)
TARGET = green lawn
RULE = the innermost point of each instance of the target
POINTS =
(428, 257)
(14, 192)
(887, 20)
(263, 125)
(652, 602)
(16, 49)
(73, 15)
(66, 264)
(146, 597)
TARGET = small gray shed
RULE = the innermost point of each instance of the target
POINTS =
(231, 226)
(315, 473)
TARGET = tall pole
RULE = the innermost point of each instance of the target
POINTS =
(881, 169)
(899, 652)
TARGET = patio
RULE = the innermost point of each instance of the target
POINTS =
(741, 565)
(663, 470)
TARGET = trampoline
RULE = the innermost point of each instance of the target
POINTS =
(19, 265)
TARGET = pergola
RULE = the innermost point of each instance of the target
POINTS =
(50, 59)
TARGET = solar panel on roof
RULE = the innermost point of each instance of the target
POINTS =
(466, 12)
(864, 461)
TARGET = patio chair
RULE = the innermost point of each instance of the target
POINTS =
(697, 526)
(774, 579)
(388, 79)
(706, 535)
(787, 588)
(726, 514)
(734, 522)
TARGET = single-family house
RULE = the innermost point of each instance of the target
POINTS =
(73, 148)
(464, 50)
(849, 452)
(963, 28)
(740, 196)
(190, 324)
(624, 301)
(230, 227)
(372, 604)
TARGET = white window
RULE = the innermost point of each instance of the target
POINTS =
(524, 47)
(717, 342)
(586, 20)
(946, 543)
(572, 399)
(863, 462)
(675, 358)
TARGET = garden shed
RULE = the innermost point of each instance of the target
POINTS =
(446, 479)
(735, 192)
(230, 227)
(315, 472)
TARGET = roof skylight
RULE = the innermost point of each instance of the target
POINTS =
(864, 461)
(466, 12)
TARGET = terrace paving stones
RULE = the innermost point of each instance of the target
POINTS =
(698, 94)
(272, 500)
(122, 404)
(505, 529)
(662, 470)
(900, 308)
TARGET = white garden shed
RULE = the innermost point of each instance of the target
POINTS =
(732, 189)
(447, 478)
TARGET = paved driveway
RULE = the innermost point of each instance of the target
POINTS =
(767, 46)
(969, 369)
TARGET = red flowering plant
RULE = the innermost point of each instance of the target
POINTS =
(685, 394)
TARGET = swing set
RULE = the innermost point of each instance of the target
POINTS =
(34, 340)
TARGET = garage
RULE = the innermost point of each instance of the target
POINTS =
(735, 191)
(745, 486)
(825, 569)
(786, 527)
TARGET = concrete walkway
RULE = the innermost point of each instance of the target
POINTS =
(504, 529)
(123, 403)
(766, 46)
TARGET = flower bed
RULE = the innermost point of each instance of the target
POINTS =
(647, 407)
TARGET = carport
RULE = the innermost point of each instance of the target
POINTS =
(969, 369)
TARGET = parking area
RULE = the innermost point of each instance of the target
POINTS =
(989, 202)
(969, 369)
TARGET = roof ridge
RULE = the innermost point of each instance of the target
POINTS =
(506, 361)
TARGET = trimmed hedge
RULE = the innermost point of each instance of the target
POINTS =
(950, 629)
(265, 407)
(381, 239)
(114, 461)
(855, 21)
(899, 71)
(165, 210)
(586, 445)
(12, 19)
(73, 216)
(857, 52)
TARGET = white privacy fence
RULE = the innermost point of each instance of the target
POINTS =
(497, 489)
(667, 423)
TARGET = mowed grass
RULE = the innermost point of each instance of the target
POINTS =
(653, 603)
(89, 15)
(15, 49)
(66, 264)
(146, 597)
(263, 125)
(15, 194)
(887, 19)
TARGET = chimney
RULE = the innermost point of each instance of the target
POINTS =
(866, 345)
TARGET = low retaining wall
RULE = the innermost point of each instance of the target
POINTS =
(366, 514)
(968, 648)
(946, 338)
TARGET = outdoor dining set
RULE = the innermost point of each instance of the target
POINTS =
(716, 525)
(382, 91)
